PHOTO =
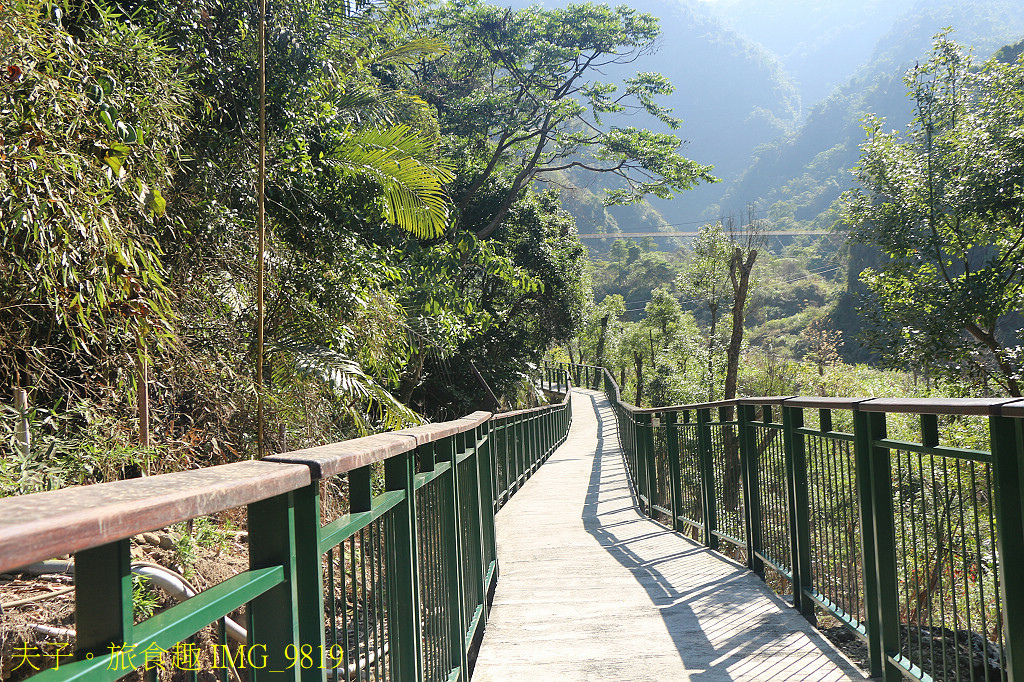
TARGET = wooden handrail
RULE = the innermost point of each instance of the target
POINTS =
(325, 461)
(950, 406)
(44, 525)
(39, 526)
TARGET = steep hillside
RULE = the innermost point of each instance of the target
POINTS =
(820, 43)
(797, 179)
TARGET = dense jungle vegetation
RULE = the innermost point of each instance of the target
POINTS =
(415, 268)
(428, 167)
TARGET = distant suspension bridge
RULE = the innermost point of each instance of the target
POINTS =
(694, 233)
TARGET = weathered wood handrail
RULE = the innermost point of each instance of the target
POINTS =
(44, 525)
(340, 458)
(386, 561)
(948, 406)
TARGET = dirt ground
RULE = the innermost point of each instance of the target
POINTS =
(37, 630)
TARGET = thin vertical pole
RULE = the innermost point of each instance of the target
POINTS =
(261, 224)
(24, 434)
(142, 391)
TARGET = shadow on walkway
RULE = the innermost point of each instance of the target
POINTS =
(725, 623)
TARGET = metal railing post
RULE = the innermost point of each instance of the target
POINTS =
(404, 620)
(799, 508)
(103, 599)
(309, 585)
(707, 479)
(476, 521)
(884, 612)
(642, 424)
(751, 473)
(652, 463)
(447, 449)
(519, 446)
(862, 463)
(531, 425)
(674, 472)
(273, 621)
(1008, 475)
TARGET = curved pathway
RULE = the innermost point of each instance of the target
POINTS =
(591, 590)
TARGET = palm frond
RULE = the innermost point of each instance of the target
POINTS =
(400, 161)
(348, 381)
(410, 52)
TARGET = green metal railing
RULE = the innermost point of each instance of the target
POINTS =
(911, 542)
(397, 588)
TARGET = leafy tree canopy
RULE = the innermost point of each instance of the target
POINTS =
(945, 202)
(518, 95)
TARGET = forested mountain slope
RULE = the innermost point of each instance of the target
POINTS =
(820, 43)
(797, 178)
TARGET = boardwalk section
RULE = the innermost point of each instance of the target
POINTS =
(592, 590)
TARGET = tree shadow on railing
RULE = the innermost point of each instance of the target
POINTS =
(724, 622)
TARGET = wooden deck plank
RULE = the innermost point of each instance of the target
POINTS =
(591, 590)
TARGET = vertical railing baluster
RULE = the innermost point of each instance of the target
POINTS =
(1008, 473)
(799, 508)
(404, 622)
(751, 473)
(674, 472)
(707, 478)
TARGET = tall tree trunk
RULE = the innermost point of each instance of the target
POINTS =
(638, 364)
(1005, 366)
(601, 339)
(739, 272)
(711, 351)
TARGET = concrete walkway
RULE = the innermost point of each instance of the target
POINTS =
(591, 590)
